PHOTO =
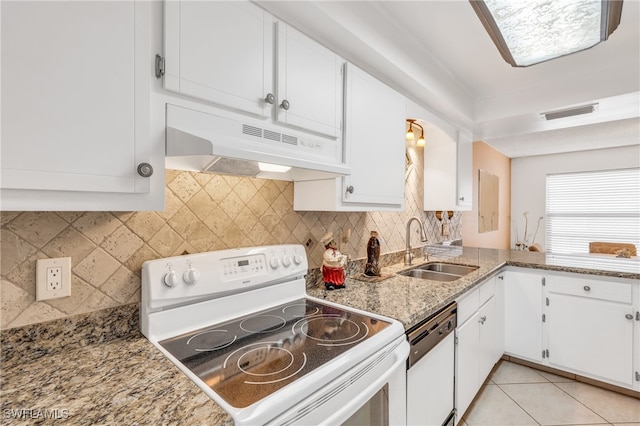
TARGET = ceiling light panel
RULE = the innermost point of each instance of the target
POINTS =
(533, 31)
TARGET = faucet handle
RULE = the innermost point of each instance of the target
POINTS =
(425, 253)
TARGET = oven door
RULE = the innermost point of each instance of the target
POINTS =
(372, 393)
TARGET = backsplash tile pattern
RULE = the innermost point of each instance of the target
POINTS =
(203, 212)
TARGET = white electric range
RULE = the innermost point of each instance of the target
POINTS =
(239, 324)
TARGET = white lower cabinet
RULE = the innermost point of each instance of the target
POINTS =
(480, 341)
(579, 323)
(467, 364)
(523, 314)
(590, 328)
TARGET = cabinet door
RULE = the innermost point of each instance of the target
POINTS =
(310, 84)
(440, 171)
(591, 337)
(523, 315)
(490, 337)
(75, 101)
(467, 363)
(220, 51)
(374, 137)
(464, 167)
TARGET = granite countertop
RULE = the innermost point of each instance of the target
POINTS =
(410, 300)
(99, 369)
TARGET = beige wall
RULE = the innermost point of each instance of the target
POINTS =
(203, 212)
(489, 159)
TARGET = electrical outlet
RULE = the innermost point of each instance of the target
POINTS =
(53, 278)
(309, 242)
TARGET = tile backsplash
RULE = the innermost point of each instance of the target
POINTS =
(203, 212)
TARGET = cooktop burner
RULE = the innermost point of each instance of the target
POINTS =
(249, 358)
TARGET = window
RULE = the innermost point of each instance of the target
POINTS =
(592, 206)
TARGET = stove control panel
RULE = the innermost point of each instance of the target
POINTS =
(244, 266)
(174, 280)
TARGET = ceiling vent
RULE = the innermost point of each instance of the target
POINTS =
(570, 112)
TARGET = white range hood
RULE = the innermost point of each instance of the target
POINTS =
(204, 142)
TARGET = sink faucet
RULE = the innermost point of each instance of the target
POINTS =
(408, 256)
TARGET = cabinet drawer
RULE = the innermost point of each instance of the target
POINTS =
(487, 290)
(586, 287)
(468, 304)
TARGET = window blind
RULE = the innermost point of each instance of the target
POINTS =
(592, 206)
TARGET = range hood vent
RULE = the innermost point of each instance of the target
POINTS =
(199, 141)
(570, 112)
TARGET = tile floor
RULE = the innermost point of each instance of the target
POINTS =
(518, 395)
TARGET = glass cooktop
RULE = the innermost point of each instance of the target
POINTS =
(249, 358)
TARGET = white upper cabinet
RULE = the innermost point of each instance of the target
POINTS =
(220, 51)
(464, 172)
(75, 107)
(310, 84)
(448, 162)
(448, 166)
(375, 151)
(237, 56)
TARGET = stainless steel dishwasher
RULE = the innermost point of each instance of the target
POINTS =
(430, 369)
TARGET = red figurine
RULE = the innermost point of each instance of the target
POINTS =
(333, 263)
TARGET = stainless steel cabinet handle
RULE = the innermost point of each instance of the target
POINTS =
(270, 99)
(629, 316)
(145, 170)
(587, 288)
(285, 105)
(350, 189)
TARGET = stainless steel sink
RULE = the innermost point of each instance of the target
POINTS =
(448, 268)
(429, 275)
(439, 271)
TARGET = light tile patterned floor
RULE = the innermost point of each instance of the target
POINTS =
(518, 395)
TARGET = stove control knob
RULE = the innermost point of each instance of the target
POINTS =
(286, 261)
(297, 259)
(191, 276)
(274, 262)
(170, 279)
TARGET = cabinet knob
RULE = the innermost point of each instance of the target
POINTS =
(501, 277)
(145, 170)
(461, 198)
(270, 99)
(587, 288)
(350, 189)
(285, 105)
(482, 319)
(629, 316)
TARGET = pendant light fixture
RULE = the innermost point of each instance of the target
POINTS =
(410, 135)
(534, 31)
